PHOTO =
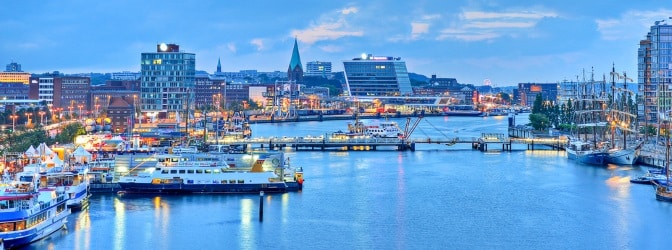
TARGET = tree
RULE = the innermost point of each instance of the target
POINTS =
(537, 107)
(505, 97)
(539, 121)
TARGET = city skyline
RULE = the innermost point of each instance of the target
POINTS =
(506, 42)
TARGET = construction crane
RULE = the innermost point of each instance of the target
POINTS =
(409, 128)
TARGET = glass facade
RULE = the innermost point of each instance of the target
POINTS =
(654, 76)
(376, 76)
(167, 82)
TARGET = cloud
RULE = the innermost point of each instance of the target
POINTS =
(467, 35)
(331, 48)
(631, 24)
(231, 47)
(482, 25)
(499, 24)
(472, 15)
(330, 27)
(349, 10)
(417, 29)
(258, 42)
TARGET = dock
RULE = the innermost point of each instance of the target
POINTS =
(487, 142)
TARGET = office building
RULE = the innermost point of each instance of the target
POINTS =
(654, 74)
(13, 73)
(376, 76)
(528, 92)
(316, 68)
(167, 82)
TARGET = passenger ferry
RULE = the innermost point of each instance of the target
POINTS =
(207, 173)
(29, 213)
(383, 129)
(72, 181)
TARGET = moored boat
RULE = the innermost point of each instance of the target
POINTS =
(202, 174)
(582, 152)
(29, 213)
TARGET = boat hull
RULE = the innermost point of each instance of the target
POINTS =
(593, 158)
(463, 113)
(181, 188)
(622, 157)
(21, 238)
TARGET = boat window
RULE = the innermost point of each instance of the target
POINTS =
(7, 226)
(216, 171)
(223, 181)
(20, 225)
(232, 181)
(182, 171)
(162, 159)
(174, 159)
(165, 171)
(199, 171)
(241, 181)
(208, 171)
(4, 204)
(190, 171)
(173, 171)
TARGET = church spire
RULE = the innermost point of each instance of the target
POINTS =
(219, 66)
(295, 70)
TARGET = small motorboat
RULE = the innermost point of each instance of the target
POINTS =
(648, 178)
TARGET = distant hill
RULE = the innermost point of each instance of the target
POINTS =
(417, 79)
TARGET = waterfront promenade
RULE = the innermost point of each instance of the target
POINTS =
(428, 199)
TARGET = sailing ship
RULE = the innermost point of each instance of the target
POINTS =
(589, 117)
(622, 120)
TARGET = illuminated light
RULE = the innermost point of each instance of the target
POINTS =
(364, 56)
(163, 47)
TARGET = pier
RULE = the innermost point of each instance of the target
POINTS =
(487, 142)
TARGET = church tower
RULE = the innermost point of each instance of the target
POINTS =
(219, 66)
(295, 70)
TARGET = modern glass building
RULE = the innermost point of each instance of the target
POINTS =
(167, 82)
(654, 76)
(376, 76)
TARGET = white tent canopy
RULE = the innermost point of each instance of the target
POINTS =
(81, 155)
(32, 152)
(44, 150)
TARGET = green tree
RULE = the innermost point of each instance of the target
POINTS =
(537, 106)
(539, 121)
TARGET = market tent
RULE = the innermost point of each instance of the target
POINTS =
(32, 152)
(81, 155)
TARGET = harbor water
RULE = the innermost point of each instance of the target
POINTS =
(438, 197)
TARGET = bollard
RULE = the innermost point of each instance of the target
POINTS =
(261, 206)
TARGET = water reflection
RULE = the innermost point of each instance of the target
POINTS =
(246, 230)
(119, 224)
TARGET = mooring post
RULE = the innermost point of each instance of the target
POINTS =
(261, 206)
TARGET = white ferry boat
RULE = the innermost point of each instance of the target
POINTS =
(207, 173)
(28, 214)
(384, 129)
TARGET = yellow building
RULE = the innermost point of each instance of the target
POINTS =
(22, 77)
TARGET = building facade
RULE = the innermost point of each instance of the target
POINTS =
(376, 76)
(13, 73)
(13, 91)
(316, 68)
(528, 92)
(654, 74)
(167, 81)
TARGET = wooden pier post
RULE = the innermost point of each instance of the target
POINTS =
(261, 206)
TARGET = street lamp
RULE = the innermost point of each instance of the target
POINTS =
(71, 107)
(96, 104)
(42, 117)
(80, 111)
(13, 117)
(28, 115)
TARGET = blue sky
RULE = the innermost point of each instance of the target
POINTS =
(506, 41)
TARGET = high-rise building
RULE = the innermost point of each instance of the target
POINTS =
(654, 74)
(13, 67)
(295, 70)
(167, 82)
(316, 68)
(376, 76)
(14, 74)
